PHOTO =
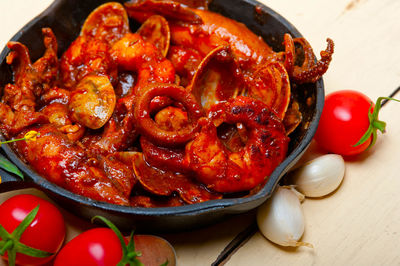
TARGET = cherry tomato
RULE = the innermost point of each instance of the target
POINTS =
(98, 246)
(104, 246)
(343, 122)
(46, 232)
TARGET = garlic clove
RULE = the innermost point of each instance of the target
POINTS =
(319, 177)
(299, 195)
(281, 220)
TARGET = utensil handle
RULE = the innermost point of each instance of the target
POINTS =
(10, 182)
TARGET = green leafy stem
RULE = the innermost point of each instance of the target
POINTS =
(374, 123)
(9, 166)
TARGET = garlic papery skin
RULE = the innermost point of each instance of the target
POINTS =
(281, 220)
(319, 177)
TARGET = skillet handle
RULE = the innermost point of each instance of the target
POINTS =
(10, 182)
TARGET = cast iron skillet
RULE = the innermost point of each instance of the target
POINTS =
(65, 17)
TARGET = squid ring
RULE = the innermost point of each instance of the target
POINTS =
(149, 128)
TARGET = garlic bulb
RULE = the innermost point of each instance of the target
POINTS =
(320, 176)
(281, 220)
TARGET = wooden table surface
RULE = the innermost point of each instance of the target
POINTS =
(359, 224)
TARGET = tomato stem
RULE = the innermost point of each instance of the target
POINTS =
(129, 254)
(374, 123)
(380, 125)
(12, 245)
(8, 245)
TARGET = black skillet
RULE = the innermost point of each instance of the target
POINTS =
(65, 17)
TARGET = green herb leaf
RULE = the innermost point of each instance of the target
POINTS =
(10, 167)
(6, 164)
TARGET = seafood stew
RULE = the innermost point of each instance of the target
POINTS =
(162, 99)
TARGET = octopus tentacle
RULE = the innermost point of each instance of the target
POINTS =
(224, 171)
(289, 52)
(310, 72)
(148, 127)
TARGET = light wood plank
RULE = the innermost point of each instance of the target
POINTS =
(15, 14)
